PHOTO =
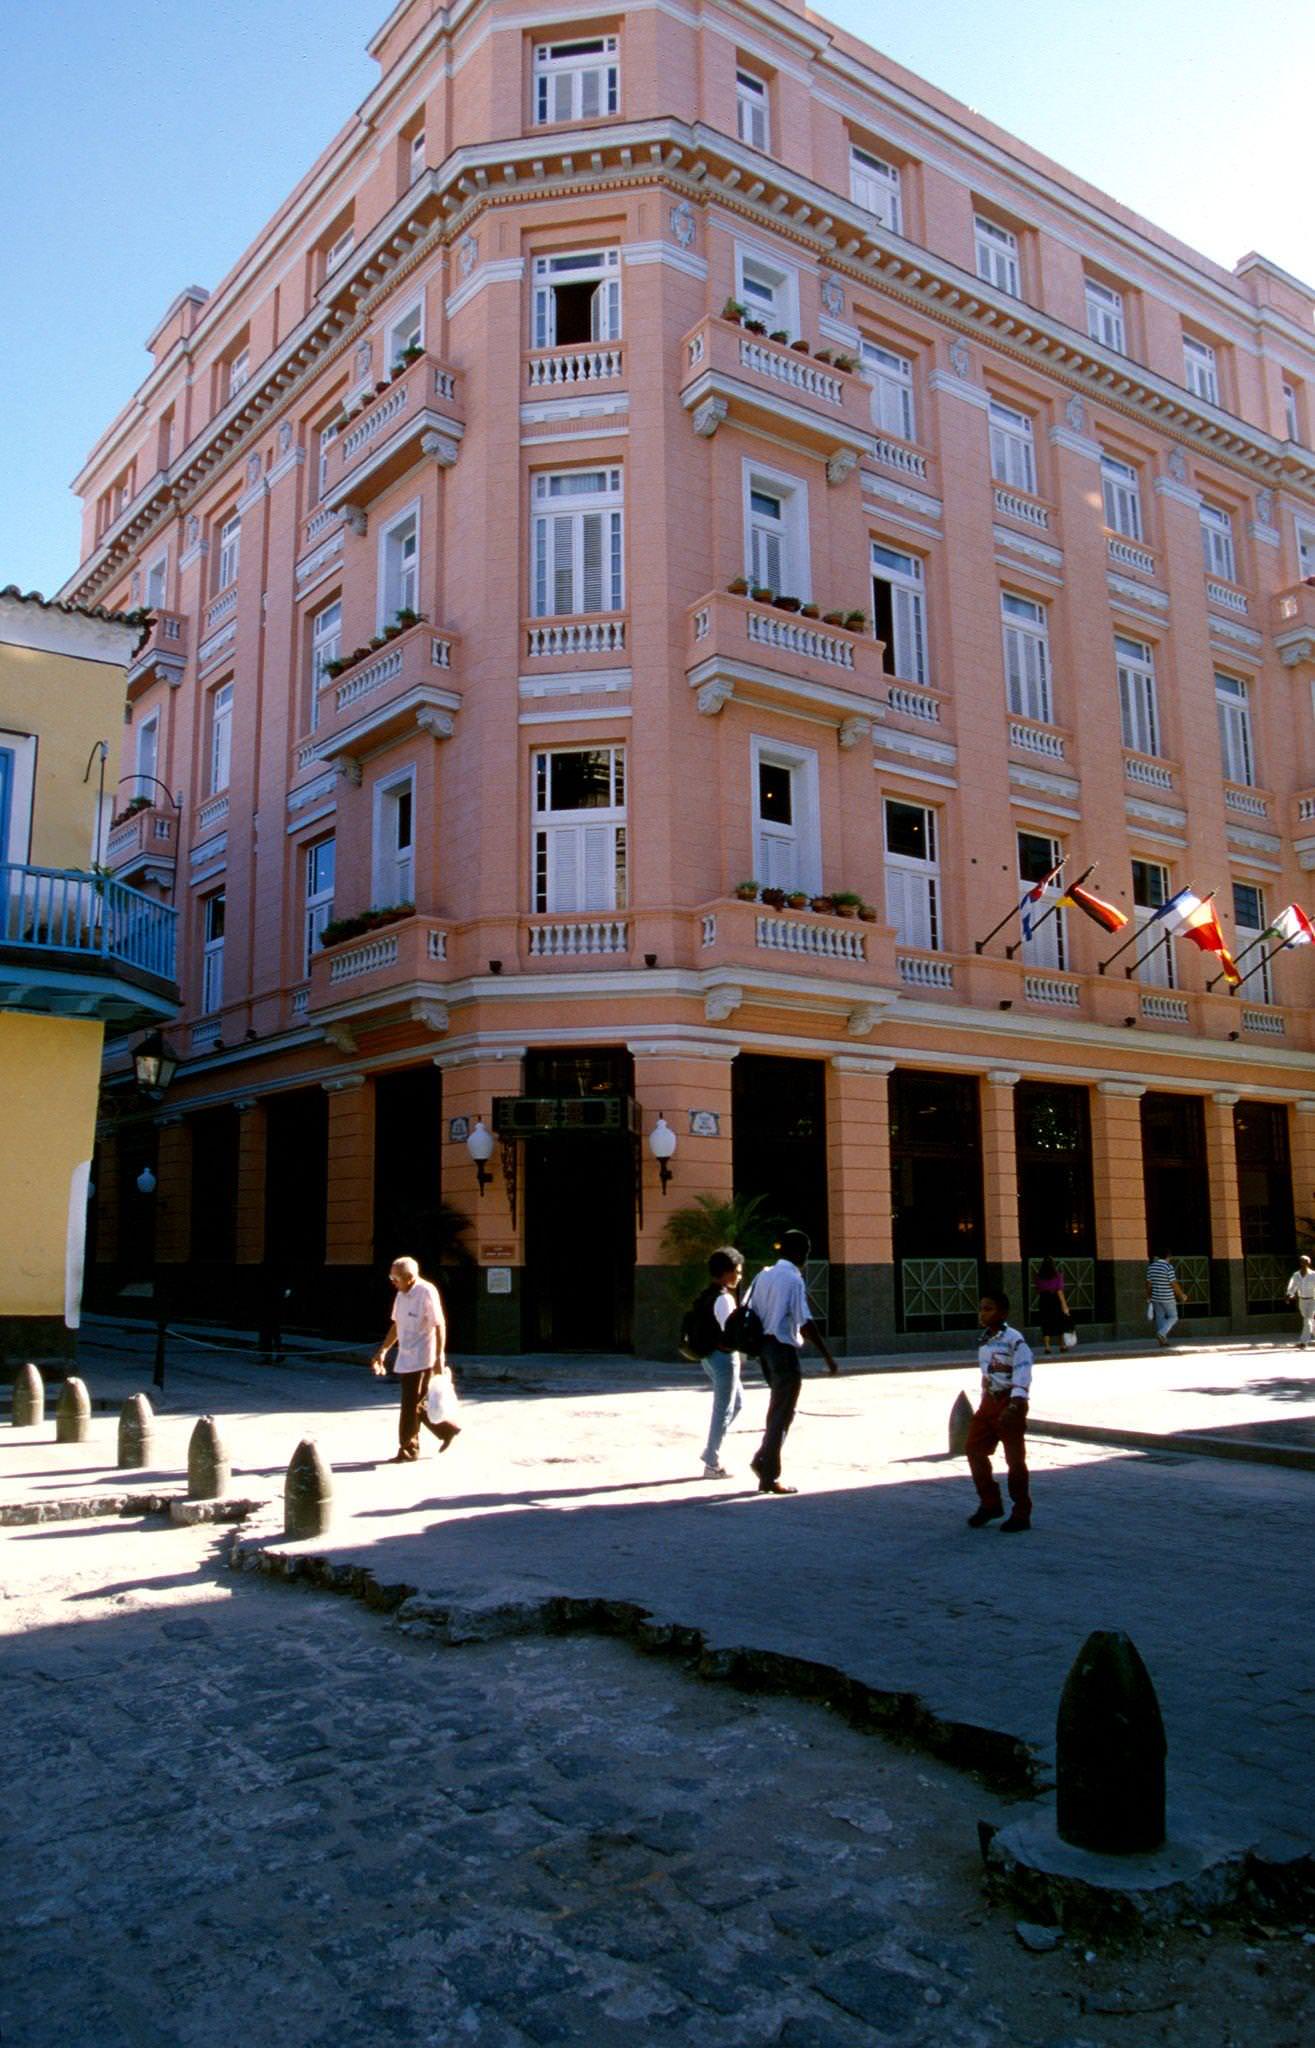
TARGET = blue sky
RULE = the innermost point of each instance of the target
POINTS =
(145, 145)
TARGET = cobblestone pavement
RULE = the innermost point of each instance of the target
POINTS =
(242, 1812)
(591, 1492)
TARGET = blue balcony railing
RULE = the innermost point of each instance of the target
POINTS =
(59, 910)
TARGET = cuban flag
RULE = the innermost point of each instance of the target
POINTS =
(1035, 896)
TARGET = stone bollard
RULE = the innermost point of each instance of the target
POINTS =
(208, 1467)
(961, 1421)
(136, 1434)
(307, 1492)
(73, 1415)
(29, 1400)
(1110, 1751)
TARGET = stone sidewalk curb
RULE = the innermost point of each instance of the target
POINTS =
(95, 1506)
(1184, 1443)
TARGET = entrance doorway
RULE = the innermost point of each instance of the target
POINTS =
(1177, 1180)
(1264, 1186)
(296, 1204)
(1056, 1217)
(936, 1188)
(579, 1212)
(408, 1152)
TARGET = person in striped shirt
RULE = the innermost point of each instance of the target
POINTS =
(1163, 1295)
(1005, 1359)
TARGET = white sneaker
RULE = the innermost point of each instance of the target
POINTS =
(715, 1472)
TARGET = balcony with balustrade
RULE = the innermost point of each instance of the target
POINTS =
(738, 647)
(389, 972)
(1034, 741)
(418, 414)
(566, 641)
(588, 365)
(1292, 624)
(1149, 775)
(387, 693)
(162, 656)
(768, 941)
(143, 845)
(727, 372)
(1023, 509)
(84, 945)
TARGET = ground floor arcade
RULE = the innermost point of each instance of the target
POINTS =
(281, 1190)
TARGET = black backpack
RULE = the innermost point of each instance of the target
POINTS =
(743, 1330)
(700, 1332)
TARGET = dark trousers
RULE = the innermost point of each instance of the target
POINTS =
(780, 1368)
(999, 1421)
(413, 1386)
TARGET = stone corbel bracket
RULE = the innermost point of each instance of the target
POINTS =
(721, 1003)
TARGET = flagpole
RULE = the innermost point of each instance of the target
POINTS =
(1282, 947)
(980, 944)
(1249, 947)
(1128, 972)
(1141, 960)
(1011, 950)
(1136, 939)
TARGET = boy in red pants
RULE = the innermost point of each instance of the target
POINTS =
(1006, 1362)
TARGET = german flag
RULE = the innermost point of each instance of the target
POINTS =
(1095, 907)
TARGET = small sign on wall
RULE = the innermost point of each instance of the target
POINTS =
(704, 1123)
(499, 1279)
(458, 1130)
(496, 1254)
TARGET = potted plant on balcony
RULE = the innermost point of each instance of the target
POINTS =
(406, 617)
(738, 586)
(755, 327)
(734, 311)
(845, 902)
(762, 594)
(808, 611)
(788, 604)
(774, 899)
(824, 355)
(868, 912)
(747, 891)
(797, 898)
(856, 621)
(779, 334)
(333, 669)
(800, 347)
(833, 618)
(824, 904)
(843, 362)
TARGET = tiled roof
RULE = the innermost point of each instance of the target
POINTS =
(75, 611)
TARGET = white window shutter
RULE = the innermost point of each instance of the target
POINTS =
(598, 860)
(545, 316)
(910, 635)
(590, 101)
(561, 96)
(563, 567)
(563, 867)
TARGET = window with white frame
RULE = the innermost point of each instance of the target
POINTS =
(1151, 890)
(576, 543)
(1233, 702)
(399, 567)
(407, 331)
(769, 291)
(996, 250)
(580, 852)
(577, 298)
(239, 369)
(230, 544)
(1013, 452)
(1217, 542)
(1027, 656)
(787, 850)
(899, 616)
(327, 436)
(416, 155)
(913, 876)
(1134, 663)
(776, 555)
(1038, 856)
(1305, 536)
(891, 378)
(325, 646)
(148, 756)
(212, 952)
(579, 81)
(752, 110)
(1291, 422)
(157, 583)
(339, 250)
(1120, 489)
(875, 186)
(318, 870)
(221, 737)
(1105, 315)
(1200, 369)
(1249, 921)
(393, 865)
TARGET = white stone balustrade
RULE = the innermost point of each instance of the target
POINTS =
(825, 941)
(896, 456)
(919, 970)
(576, 636)
(1036, 739)
(366, 958)
(1016, 507)
(789, 367)
(572, 938)
(790, 634)
(573, 366)
(1047, 988)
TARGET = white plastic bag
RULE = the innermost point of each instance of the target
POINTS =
(1070, 1339)
(1150, 1311)
(441, 1403)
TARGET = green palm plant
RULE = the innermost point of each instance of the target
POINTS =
(694, 1232)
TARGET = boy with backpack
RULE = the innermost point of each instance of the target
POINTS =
(702, 1337)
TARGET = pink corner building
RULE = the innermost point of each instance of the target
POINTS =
(673, 528)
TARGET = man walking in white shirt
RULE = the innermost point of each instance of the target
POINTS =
(419, 1331)
(780, 1300)
(1301, 1291)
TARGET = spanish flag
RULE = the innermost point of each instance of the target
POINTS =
(1104, 914)
(1199, 922)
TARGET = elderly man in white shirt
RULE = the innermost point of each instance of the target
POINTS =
(419, 1331)
(780, 1300)
(1301, 1292)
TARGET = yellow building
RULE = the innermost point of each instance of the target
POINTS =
(78, 950)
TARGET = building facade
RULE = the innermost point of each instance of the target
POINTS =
(80, 953)
(651, 453)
